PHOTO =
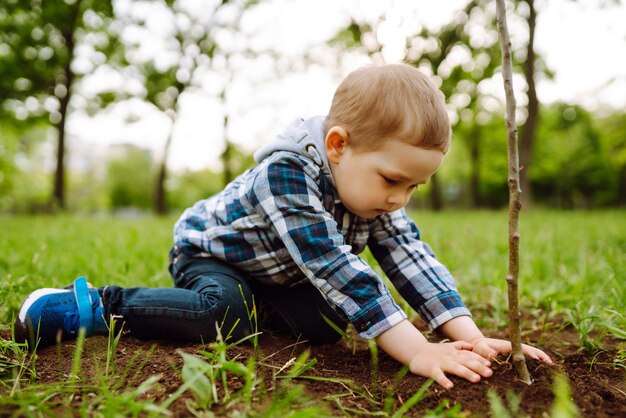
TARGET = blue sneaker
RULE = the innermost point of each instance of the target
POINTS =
(48, 311)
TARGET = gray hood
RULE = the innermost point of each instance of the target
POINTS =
(304, 137)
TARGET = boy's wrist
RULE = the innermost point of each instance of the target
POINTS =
(402, 341)
(461, 328)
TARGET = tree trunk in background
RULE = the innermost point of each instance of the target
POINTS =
(474, 148)
(621, 188)
(436, 195)
(226, 162)
(160, 196)
(228, 147)
(58, 192)
(447, 43)
(528, 130)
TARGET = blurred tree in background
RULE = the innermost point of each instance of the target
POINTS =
(46, 48)
(133, 163)
(613, 135)
(574, 167)
(53, 53)
(187, 36)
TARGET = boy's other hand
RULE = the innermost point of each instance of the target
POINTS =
(457, 358)
(489, 348)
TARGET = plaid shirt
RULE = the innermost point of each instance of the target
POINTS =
(283, 223)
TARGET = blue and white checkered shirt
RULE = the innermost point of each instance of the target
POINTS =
(282, 223)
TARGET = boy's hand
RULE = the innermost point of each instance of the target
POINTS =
(463, 328)
(434, 360)
(491, 347)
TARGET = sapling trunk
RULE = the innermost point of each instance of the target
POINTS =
(515, 202)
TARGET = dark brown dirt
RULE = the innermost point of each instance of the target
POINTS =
(597, 383)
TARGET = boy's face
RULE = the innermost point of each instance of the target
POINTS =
(370, 183)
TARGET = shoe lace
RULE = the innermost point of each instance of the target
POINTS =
(71, 322)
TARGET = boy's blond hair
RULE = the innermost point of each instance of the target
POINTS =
(396, 101)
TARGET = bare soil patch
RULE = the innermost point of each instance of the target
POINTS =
(597, 383)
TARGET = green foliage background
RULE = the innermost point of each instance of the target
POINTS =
(580, 162)
(579, 156)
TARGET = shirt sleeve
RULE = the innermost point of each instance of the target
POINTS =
(410, 264)
(288, 198)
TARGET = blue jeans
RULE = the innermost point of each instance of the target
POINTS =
(209, 293)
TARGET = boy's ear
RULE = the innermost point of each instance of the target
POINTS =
(336, 141)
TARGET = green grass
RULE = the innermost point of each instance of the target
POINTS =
(571, 262)
(572, 266)
(572, 271)
(52, 251)
(565, 256)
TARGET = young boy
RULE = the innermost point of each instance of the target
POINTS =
(288, 231)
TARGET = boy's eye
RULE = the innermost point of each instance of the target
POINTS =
(389, 181)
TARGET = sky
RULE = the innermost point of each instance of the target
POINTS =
(583, 44)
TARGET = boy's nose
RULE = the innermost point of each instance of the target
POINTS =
(397, 200)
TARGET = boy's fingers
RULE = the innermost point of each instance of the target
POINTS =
(536, 353)
(462, 345)
(472, 357)
(485, 351)
(440, 377)
(464, 372)
(545, 358)
(539, 355)
(482, 369)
